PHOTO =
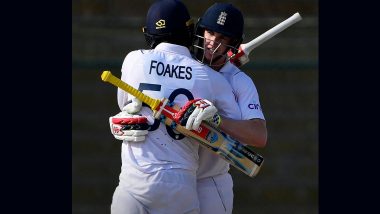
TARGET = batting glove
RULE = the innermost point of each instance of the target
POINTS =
(129, 126)
(196, 111)
(134, 106)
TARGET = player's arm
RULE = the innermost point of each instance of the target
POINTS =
(252, 132)
(251, 129)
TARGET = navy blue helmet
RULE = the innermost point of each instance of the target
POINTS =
(168, 21)
(222, 18)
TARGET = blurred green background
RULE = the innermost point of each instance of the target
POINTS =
(284, 69)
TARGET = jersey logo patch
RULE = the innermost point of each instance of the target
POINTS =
(222, 18)
(160, 24)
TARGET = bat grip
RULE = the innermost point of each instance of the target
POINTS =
(272, 32)
(107, 76)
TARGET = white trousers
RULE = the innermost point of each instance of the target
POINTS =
(170, 191)
(215, 194)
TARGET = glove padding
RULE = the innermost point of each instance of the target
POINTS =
(195, 111)
(128, 126)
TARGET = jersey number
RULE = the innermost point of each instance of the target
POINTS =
(179, 91)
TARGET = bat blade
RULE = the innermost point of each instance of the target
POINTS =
(232, 151)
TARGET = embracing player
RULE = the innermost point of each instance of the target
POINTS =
(219, 31)
(158, 175)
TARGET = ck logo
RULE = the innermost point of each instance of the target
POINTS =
(160, 24)
(222, 18)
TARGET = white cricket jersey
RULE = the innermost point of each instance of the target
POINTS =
(245, 92)
(158, 73)
(247, 97)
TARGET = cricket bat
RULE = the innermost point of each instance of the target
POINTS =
(235, 153)
(241, 57)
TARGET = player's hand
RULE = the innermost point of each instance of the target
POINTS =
(134, 106)
(128, 126)
(196, 111)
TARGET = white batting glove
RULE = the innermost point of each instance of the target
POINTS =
(196, 111)
(128, 126)
(134, 106)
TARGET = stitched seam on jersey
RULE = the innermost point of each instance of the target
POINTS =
(220, 196)
(237, 73)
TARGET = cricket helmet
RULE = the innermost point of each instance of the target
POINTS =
(222, 18)
(168, 21)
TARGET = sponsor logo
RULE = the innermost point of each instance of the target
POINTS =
(117, 130)
(253, 157)
(199, 130)
(254, 106)
(202, 104)
(160, 24)
(212, 137)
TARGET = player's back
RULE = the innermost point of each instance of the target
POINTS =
(168, 71)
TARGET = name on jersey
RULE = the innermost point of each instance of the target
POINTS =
(172, 71)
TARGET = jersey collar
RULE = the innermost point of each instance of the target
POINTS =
(176, 49)
(228, 68)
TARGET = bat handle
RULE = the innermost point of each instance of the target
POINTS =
(107, 76)
(240, 58)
